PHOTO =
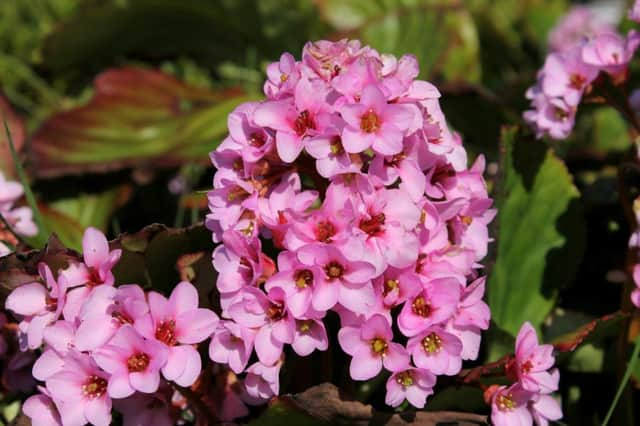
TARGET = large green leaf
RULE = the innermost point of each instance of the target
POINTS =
(69, 217)
(540, 233)
(441, 33)
(136, 117)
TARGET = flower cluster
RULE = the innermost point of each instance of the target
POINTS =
(19, 219)
(583, 49)
(528, 399)
(345, 191)
(103, 345)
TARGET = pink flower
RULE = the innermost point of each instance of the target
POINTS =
(509, 406)
(42, 411)
(373, 123)
(10, 191)
(434, 305)
(327, 59)
(610, 51)
(413, 384)
(397, 285)
(544, 408)
(565, 75)
(371, 347)
(552, 116)
(341, 281)
(262, 381)
(579, 24)
(532, 362)
(386, 219)
(282, 77)
(309, 335)
(294, 119)
(232, 344)
(105, 311)
(437, 351)
(634, 12)
(80, 391)
(133, 362)
(40, 304)
(635, 294)
(59, 338)
(245, 136)
(270, 314)
(178, 323)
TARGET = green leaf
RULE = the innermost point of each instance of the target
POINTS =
(610, 132)
(136, 117)
(69, 217)
(539, 227)
(441, 33)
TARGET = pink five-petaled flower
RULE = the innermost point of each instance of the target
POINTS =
(373, 123)
(294, 119)
(41, 409)
(509, 405)
(178, 323)
(342, 281)
(413, 384)
(263, 381)
(95, 271)
(310, 335)
(611, 52)
(133, 362)
(436, 304)
(270, 314)
(40, 305)
(436, 351)
(232, 344)
(371, 347)
(80, 391)
(532, 362)
(105, 311)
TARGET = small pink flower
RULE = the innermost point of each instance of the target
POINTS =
(634, 12)
(133, 362)
(565, 75)
(10, 191)
(436, 304)
(373, 123)
(413, 384)
(105, 311)
(178, 324)
(263, 381)
(80, 391)
(282, 77)
(611, 52)
(437, 351)
(270, 314)
(59, 338)
(510, 406)
(41, 409)
(544, 408)
(342, 281)
(309, 335)
(40, 304)
(371, 347)
(579, 24)
(532, 362)
(232, 344)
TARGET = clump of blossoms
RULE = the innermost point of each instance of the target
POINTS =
(584, 52)
(102, 346)
(528, 399)
(19, 219)
(345, 191)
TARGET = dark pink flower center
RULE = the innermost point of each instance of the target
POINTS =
(94, 278)
(373, 226)
(421, 307)
(334, 270)
(369, 121)
(325, 231)
(526, 367)
(275, 311)
(94, 387)
(138, 362)
(257, 140)
(303, 123)
(405, 378)
(121, 317)
(166, 332)
(577, 82)
(303, 278)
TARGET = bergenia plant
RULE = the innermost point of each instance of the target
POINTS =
(350, 259)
